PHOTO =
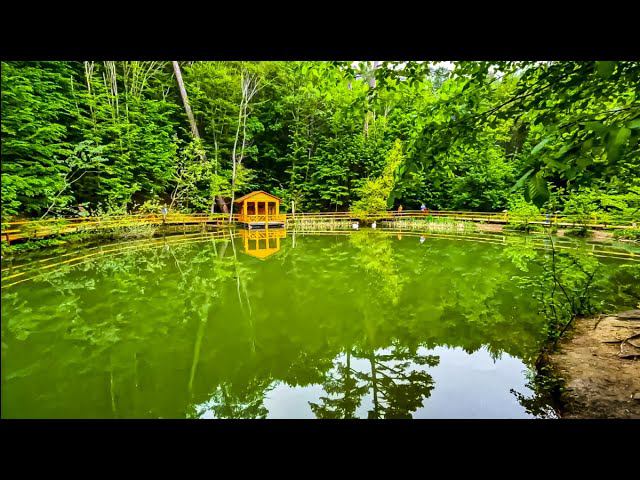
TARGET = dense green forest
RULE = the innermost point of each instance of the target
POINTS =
(120, 136)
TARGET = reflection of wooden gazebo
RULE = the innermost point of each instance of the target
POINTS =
(260, 209)
(262, 243)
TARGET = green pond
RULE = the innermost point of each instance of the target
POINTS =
(362, 324)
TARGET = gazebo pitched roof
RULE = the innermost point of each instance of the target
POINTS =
(249, 195)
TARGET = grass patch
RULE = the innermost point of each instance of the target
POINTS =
(142, 230)
(627, 234)
(430, 224)
(319, 224)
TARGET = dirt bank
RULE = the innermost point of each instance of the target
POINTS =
(600, 364)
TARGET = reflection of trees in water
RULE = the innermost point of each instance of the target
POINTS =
(242, 277)
(227, 402)
(142, 286)
(464, 297)
(374, 258)
(345, 390)
(546, 389)
(398, 388)
(367, 296)
(521, 251)
(624, 286)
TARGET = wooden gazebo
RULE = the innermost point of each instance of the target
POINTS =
(260, 209)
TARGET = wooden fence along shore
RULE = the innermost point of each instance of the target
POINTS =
(34, 229)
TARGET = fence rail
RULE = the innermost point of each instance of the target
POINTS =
(274, 217)
(33, 229)
(564, 220)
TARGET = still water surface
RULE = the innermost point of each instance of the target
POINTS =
(359, 325)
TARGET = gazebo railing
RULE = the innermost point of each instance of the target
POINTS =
(276, 217)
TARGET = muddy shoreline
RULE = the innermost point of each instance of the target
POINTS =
(599, 366)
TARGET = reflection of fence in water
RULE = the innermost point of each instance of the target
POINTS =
(266, 242)
(41, 267)
(598, 250)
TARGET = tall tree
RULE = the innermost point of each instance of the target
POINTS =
(249, 85)
(194, 127)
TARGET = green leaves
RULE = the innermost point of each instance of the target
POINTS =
(540, 145)
(520, 183)
(375, 194)
(597, 127)
(622, 136)
(537, 190)
(35, 119)
(605, 69)
(472, 136)
(616, 142)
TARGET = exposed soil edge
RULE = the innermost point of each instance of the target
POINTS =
(598, 364)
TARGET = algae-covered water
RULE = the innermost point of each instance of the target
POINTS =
(365, 324)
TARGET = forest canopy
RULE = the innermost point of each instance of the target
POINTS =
(124, 136)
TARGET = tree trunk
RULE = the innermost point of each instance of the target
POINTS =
(185, 100)
(249, 87)
(192, 123)
(372, 85)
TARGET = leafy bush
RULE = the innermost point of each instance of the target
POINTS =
(150, 206)
(375, 193)
(582, 232)
(520, 213)
(627, 234)
(564, 288)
